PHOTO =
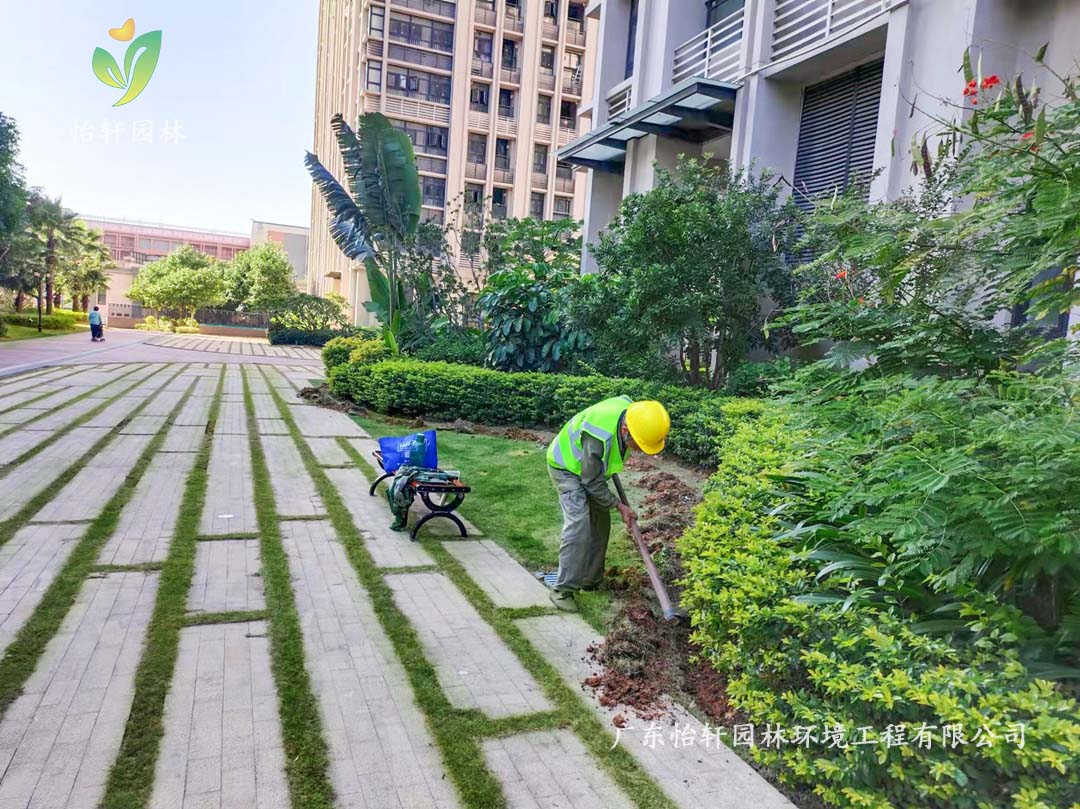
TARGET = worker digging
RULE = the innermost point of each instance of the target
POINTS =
(590, 450)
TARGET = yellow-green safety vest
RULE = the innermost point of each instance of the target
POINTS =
(600, 421)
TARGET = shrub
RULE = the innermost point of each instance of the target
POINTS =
(59, 320)
(337, 350)
(700, 420)
(793, 659)
(187, 329)
(463, 346)
(368, 351)
(758, 378)
(76, 317)
(287, 335)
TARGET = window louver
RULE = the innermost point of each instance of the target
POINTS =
(837, 133)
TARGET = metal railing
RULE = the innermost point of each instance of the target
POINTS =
(481, 68)
(413, 108)
(543, 131)
(506, 126)
(566, 134)
(475, 171)
(565, 185)
(433, 165)
(498, 211)
(551, 30)
(539, 179)
(800, 25)
(478, 119)
(547, 80)
(485, 16)
(575, 36)
(511, 75)
(440, 7)
(620, 102)
(513, 21)
(715, 53)
(571, 81)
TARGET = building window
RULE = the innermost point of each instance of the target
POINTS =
(543, 109)
(513, 7)
(483, 45)
(506, 103)
(510, 54)
(564, 171)
(568, 114)
(478, 149)
(551, 10)
(427, 139)
(434, 191)
(377, 21)
(547, 60)
(480, 98)
(374, 76)
(563, 208)
(416, 56)
(502, 154)
(540, 158)
(420, 31)
(500, 203)
(716, 10)
(631, 40)
(418, 84)
(575, 13)
(101, 296)
(536, 206)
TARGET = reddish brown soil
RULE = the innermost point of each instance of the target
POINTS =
(322, 396)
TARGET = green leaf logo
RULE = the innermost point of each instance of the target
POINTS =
(140, 61)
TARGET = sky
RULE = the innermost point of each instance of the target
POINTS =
(228, 112)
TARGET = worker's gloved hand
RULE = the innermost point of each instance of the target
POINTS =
(628, 515)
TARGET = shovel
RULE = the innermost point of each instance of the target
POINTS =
(672, 612)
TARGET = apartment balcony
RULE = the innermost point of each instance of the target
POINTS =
(550, 29)
(504, 170)
(485, 16)
(547, 81)
(564, 185)
(510, 75)
(432, 165)
(571, 82)
(543, 132)
(479, 119)
(539, 179)
(439, 7)
(431, 215)
(803, 25)
(619, 101)
(513, 21)
(413, 108)
(476, 171)
(575, 36)
(506, 123)
(715, 53)
(482, 68)
(567, 131)
(498, 211)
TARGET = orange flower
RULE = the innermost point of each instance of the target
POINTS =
(840, 276)
(991, 81)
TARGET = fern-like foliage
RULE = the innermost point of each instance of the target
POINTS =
(348, 226)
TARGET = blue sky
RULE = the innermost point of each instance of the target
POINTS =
(235, 81)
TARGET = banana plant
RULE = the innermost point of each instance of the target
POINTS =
(376, 210)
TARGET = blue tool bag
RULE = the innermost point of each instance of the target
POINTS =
(417, 449)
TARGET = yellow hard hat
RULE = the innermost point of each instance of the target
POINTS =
(649, 424)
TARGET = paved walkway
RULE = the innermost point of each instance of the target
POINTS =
(97, 460)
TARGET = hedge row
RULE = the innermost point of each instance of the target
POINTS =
(811, 663)
(284, 335)
(58, 320)
(700, 420)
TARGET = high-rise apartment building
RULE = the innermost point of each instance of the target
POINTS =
(818, 91)
(487, 90)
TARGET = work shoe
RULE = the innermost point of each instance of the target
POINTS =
(563, 600)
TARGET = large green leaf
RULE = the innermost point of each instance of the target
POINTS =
(140, 61)
(390, 191)
(349, 146)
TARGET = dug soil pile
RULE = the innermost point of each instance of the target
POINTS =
(644, 658)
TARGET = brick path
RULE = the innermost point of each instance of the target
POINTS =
(70, 437)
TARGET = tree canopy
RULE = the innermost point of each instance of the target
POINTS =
(183, 281)
(259, 278)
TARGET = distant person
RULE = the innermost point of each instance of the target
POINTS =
(97, 329)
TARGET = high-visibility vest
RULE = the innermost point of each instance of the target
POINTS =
(600, 421)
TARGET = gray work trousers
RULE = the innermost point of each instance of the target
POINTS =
(585, 532)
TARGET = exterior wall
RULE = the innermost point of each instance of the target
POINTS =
(134, 244)
(293, 239)
(354, 66)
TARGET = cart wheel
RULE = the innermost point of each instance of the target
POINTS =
(442, 501)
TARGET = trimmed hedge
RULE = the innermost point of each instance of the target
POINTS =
(700, 420)
(341, 350)
(805, 663)
(461, 346)
(283, 335)
(58, 320)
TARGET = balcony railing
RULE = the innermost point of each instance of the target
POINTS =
(498, 211)
(543, 131)
(551, 30)
(479, 119)
(433, 165)
(510, 75)
(439, 7)
(485, 16)
(571, 82)
(620, 102)
(539, 179)
(475, 171)
(575, 36)
(565, 185)
(481, 68)
(412, 108)
(567, 131)
(715, 53)
(804, 24)
(513, 21)
(547, 81)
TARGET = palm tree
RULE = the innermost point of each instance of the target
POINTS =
(381, 213)
(86, 261)
(53, 225)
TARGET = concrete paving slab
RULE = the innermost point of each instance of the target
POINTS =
(232, 418)
(143, 425)
(165, 402)
(506, 582)
(371, 515)
(294, 490)
(43, 391)
(265, 404)
(60, 737)
(52, 422)
(474, 666)
(271, 427)
(29, 562)
(328, 452)
(549, 768)
(227, 577)
(195, 412)
(23, 483)
(381, 753)
(321, 422)
(222, 745)
(148, 520)
(115, 412)
(230, 493)
(692, 776)
(182, 438)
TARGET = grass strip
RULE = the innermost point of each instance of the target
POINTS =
(570, 709)
(45, 413)
(21, 657)
(141, 567)
(131, 778)
(307, 762)
(229, 617)
(233, 536)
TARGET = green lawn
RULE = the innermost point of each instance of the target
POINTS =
(13, 332)
(513, 502)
